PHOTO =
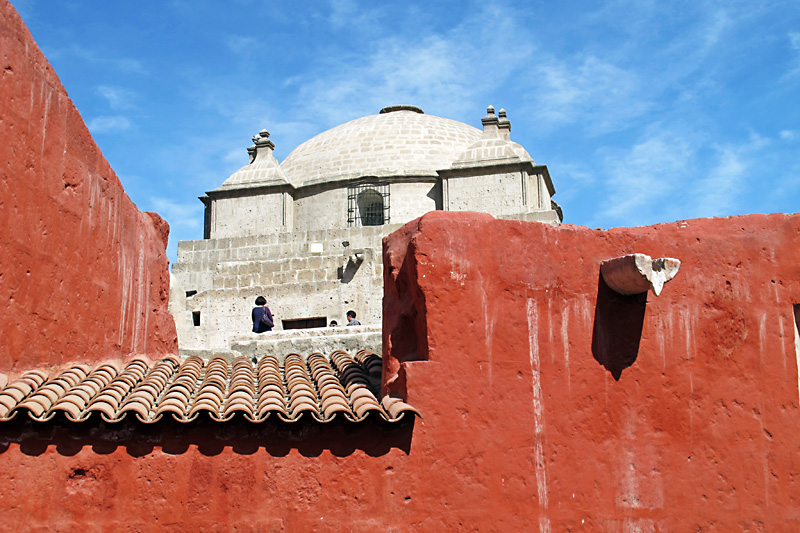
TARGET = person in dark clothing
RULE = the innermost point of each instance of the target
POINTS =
(351, 319)
(262, 316)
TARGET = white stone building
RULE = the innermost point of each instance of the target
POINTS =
(306, 233)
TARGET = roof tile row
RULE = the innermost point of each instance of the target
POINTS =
(315, 386)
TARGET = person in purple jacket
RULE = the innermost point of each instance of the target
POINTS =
(262, 317)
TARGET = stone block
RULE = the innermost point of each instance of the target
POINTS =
(305, 275)
(270, 266)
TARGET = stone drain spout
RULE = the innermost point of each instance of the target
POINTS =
(638, 273)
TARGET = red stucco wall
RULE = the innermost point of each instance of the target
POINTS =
(83, 273)
(525, 425)
(515, 371)
(550, 402)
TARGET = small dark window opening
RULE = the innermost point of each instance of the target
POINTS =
(196, 318)
(189, 294)
(368, 205)
(305, 323)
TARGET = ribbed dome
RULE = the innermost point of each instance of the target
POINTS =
(399, 141)
(492, 150)
(256, 174)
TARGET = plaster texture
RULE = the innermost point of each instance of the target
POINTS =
(243, 216)
(571, 407)
(83, 273)
(550, 402)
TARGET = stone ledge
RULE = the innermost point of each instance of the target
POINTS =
(306, 341)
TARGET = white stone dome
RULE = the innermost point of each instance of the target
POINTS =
(400, 141)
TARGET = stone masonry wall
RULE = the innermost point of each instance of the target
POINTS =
(409, 200)
(501, 194)
(250, 215)
(302, 274)
(83, 273)
(325, 210)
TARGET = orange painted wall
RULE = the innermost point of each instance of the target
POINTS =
(83, 273)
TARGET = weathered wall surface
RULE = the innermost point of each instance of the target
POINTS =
(302, 274)
(550, 403)
(243, 216)
(501, 194)
(83, 273)
(551, 400)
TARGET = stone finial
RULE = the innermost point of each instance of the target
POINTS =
(490, 122)
(262, 147)
(637, 273)
(504, 125)
(262, 138)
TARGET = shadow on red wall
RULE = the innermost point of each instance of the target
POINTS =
(618, 322)
(339, 437)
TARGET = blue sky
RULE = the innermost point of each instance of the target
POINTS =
(643, 111)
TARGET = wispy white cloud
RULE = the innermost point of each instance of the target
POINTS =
(600, 94)
(716, 193)
(189, 216)
(641, 178)
(788, 135)
(123, 64)
(354, 17)
(720, 190)
(119, 98)
(108, 124)
(241, 44)
(794, 40)
(447, 71)
(677, 174)
(794, 43)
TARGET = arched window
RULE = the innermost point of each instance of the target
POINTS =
(368, 205)
(370, 208)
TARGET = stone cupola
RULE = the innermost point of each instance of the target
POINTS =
(253, 199)
(497, 175)
(262, 170)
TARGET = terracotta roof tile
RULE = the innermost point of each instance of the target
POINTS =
(316, 386)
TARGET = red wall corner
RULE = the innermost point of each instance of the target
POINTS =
(604, 412)
(83, 273)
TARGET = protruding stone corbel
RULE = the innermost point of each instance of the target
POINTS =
(638, 273)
